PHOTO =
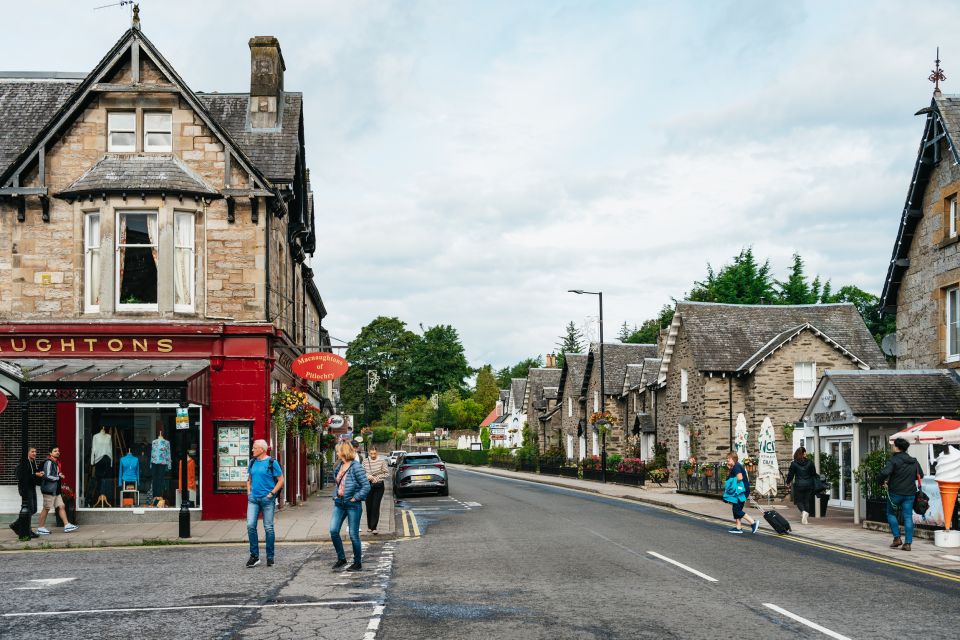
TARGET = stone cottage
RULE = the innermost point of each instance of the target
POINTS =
(569, 418)
(719, 360)
(637, 400)
(540, 396)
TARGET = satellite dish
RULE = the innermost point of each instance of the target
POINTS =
(889, 345)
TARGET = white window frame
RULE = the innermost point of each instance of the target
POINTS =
(804, 379)
(684, 383)
(113, 128)
(91, 244)
(192, 248)
(569, 406)
(951, 350)
(147, 130)
(952, 212)
(116, 261)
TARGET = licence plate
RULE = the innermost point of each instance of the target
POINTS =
(422, 477)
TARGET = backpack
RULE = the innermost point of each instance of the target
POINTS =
(270, 466)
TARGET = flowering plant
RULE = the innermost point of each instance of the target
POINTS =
(287, 410)
(631, 465)
(591, 464)
(659, 475)
(602, 421)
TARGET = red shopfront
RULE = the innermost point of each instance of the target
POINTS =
(121, 389)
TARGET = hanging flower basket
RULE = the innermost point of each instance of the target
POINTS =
(288, 408)
(602, 421)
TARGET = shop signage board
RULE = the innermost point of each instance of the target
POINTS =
(233, 439)
(183, 418)
(319, 367)
(335, 422)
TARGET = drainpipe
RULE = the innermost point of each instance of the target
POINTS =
(267, 214)
(730, 407)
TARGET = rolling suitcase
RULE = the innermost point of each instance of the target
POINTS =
(776, 521)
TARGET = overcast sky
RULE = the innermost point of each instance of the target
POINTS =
(471, 161)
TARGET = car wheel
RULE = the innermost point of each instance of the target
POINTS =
(399, 495)
(445, 491)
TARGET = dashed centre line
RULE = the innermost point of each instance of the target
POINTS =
(802, 620)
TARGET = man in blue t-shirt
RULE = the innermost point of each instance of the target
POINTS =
(264, 480)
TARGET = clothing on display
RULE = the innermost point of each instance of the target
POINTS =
(102, 471)
(129, 469)
(160, 452)
(191, 474)
(159, 480)
(101, 446)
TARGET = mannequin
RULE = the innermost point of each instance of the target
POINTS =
(101, 446)
(160, 463)
(129, 469)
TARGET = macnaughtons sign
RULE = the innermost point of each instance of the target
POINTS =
(319, 367)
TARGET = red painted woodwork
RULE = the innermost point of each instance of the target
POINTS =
(65, 437)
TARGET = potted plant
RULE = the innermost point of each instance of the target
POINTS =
(749, 464)
(830, 470)
(660, 475)
(876, 493)
(708, 470)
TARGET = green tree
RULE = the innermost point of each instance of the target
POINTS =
(649, 331)
(437, 362)
(485, 438)
(796, 290)
(486, 393)
(743, 281)
(519, 370)
(869, 307)
(384, 346)
(625, 332)
(570, 342)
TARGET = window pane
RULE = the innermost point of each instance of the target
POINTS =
(158, 142)
(138, 276)
(121, 121)
(183, 268)
(157, 122)
(138, 228)
(93, 231)
(953, 323)
(93, 277)
(120, 141)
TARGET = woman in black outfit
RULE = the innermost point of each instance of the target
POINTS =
(801, 475)
(377, 472)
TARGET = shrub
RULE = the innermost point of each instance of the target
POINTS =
(614, 460)
(382, 434)
(659, 456)
(631, 465)
(554, 456)
(463, 456)
(485, 438)
(659, 475)
(500, 454)
(866, 474)
(591, 464)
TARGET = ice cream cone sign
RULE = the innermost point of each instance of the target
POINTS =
(948, 479)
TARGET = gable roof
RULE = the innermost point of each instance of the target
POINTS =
(942, 125)
(139, 173)
(733, 338)
(640, 375)
(574, 364)
(616, 357)
(918, 393)
(73, 105)
(493, 415)
(517, 389)
(537, 379)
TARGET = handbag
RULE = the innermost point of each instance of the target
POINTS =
(734, 491)
(921, 501)
(820, 485)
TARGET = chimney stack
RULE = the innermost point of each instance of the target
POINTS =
(266, 82)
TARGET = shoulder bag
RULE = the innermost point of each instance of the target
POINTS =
(921, 501)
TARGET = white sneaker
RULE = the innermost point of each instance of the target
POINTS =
(803, 517)
(70, 527)
(43, 531)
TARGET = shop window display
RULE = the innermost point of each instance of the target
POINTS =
(133, 457)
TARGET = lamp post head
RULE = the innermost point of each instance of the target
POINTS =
(576, 291)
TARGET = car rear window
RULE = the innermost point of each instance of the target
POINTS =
(408, 459)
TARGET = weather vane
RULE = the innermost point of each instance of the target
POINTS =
(936, 75)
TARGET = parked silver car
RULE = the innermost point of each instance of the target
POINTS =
(393, 457)
(420, 473)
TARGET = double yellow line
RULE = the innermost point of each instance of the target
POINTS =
(405, 515)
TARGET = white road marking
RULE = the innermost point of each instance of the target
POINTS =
(334, 603)
(43, 583)
(801, 620)
(682, 566)
(952, 558)
(473, 504)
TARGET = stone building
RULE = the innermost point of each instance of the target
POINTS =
(162, 233)
(540, 397)
(570, 418)
(720, 360)
(637, 400)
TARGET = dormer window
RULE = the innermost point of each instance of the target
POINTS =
(157, 132)
(122, 131)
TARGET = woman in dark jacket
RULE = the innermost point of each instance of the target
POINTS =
(801, 476)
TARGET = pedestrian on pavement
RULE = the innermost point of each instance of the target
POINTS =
(801, 476)
(28, 475)
(737, 471)
(351, 487)
(376, 470)
(901, 475)
(50, 485)
(264, 480)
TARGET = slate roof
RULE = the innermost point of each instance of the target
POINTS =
(726, 337)
(631, 378)
(651, 371)
(26, 104)
(537, 379)
(616, 357)
(274, 152)
(574, 365)
(517, 387)
(944, 109)
(645, 422)
(550, 393)
(139, 173)
(640, 375)
(928, 393)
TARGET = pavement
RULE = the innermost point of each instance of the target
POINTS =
(836, 530)
(307, 522)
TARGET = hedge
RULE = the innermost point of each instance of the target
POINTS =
(463, 456)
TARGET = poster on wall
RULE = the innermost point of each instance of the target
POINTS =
(232, 445)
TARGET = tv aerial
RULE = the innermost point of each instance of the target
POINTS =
(122, 3)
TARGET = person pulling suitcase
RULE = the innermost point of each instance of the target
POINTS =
(736, 491)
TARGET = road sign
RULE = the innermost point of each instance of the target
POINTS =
(319, 367)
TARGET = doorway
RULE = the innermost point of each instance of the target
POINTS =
(841, 492)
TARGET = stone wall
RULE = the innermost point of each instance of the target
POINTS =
(671, 412)
(568, 424)
(934, 265)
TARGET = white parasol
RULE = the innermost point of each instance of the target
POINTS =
(740, 437)
(768, 469)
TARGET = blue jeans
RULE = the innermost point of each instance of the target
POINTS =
(905, 503)
(256, 506)
(349, 511)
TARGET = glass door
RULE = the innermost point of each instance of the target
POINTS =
(841, 493)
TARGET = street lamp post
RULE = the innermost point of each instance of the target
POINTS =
(603, 401)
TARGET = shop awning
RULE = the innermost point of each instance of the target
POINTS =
(78, 380)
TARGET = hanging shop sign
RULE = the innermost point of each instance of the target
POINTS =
(319, 367)
(335, 422)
